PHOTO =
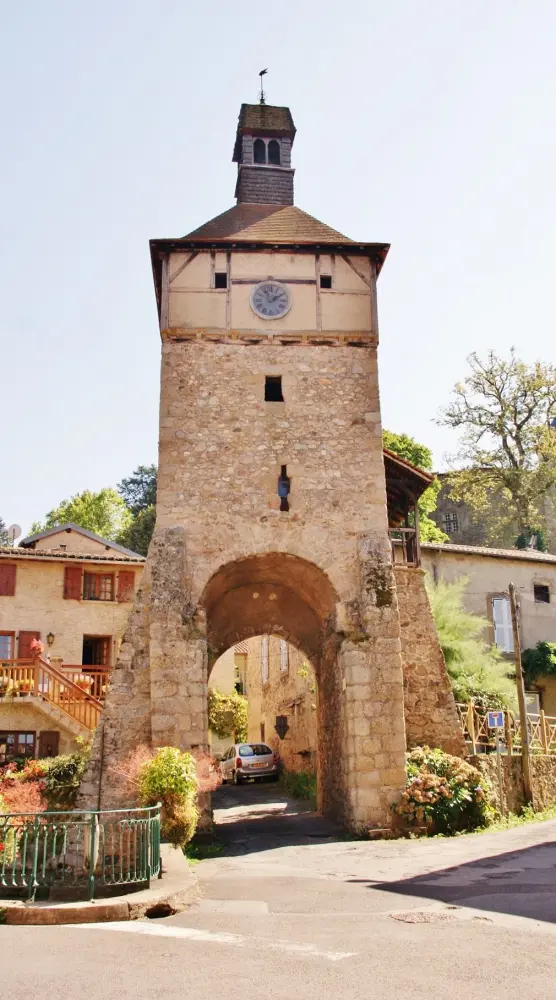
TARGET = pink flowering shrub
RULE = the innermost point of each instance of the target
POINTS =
(443, 794)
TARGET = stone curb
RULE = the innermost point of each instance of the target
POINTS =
(176, 891)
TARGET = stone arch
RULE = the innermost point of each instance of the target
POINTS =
(282, 594)
(273, 592)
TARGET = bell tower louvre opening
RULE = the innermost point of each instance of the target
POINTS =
(277, 516)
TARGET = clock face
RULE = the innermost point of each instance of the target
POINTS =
(270, 300)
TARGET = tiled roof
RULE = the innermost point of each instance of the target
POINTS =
(7, 552)
(529, 555)
(265, 117)
(70, 526)
(267, 223)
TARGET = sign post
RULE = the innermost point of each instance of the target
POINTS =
(523, 720)
(496, 722)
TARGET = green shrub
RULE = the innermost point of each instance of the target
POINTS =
(63, 774)
(227, 714)
(443, 794)
(300, 785)
(539, 661)
(170, 778)
(477, 671)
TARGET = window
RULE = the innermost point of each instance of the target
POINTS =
(264, 659)
(7, 580)
(98, 586)
(284, 658)
(284, 488)
(274, 152)
(502, 621)
(326, 281)
(14, 745)
(532, 703)
(273, 389)
(263, 737)
(542, 593)
(220, 279)
(7, 645)
(451, 523)
(259, 151)
(96, 650)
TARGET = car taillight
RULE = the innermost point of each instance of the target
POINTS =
(239, 762)
(275, 758)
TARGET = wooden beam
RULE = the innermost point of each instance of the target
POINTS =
(318, 301)
(164, 297)
(357, 271)
(183, 266)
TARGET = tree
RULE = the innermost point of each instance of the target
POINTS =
(4, 537)
(505, 410)
(104, 512)
(477, 672)
(138, 534)
(418, 454)
(138, 491)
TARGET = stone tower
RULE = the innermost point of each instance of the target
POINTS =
(271, 512)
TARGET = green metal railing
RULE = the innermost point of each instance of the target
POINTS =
(83, 854)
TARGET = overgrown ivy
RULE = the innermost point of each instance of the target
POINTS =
(227, 715)
(539, 661)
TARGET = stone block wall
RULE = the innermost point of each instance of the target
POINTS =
(543, 779)
(430, 710)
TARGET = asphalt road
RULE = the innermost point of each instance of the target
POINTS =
(292, 909)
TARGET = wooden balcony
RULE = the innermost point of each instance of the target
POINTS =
(73, 692)
(405, 546)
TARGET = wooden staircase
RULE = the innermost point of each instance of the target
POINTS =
(37, 679)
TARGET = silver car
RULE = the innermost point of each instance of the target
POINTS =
(249, 761)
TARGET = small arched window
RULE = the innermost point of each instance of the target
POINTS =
(259, 151)
(274, 152)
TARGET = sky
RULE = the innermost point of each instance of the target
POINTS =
(427, 124)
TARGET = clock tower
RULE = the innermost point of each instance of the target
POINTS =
(271, 509)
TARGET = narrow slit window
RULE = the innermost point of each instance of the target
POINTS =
(326, 281)
(273, 389)
(220, 279)
(284, 488)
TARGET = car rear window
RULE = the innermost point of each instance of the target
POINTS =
(254, 750)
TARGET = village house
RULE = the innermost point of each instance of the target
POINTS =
(72, 591)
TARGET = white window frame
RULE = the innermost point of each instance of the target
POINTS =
(265, 663)
(502, 623)
(284, 657)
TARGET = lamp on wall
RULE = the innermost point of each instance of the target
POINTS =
(50, 638)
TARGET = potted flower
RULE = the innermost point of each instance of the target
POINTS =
(37, 648)
(4, 686)
(24, 688)
(84, 683)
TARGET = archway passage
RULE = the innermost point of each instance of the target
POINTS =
(289, 597)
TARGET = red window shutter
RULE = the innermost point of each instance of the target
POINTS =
(72, 583)
(7, 580)
(126, 585)
(24, 645)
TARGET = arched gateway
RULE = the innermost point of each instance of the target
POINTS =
(273, 513)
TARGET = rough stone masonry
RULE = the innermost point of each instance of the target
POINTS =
(228, 558)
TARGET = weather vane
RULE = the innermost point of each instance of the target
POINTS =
(261, 74)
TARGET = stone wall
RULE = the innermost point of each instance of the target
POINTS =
(430, 711)
(20, 715)
(543, 774)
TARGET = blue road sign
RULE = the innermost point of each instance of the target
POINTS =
(495, 720)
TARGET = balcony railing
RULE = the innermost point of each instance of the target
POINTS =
(405, 547)
(34, 678)
(82, 855)
(541, 731)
